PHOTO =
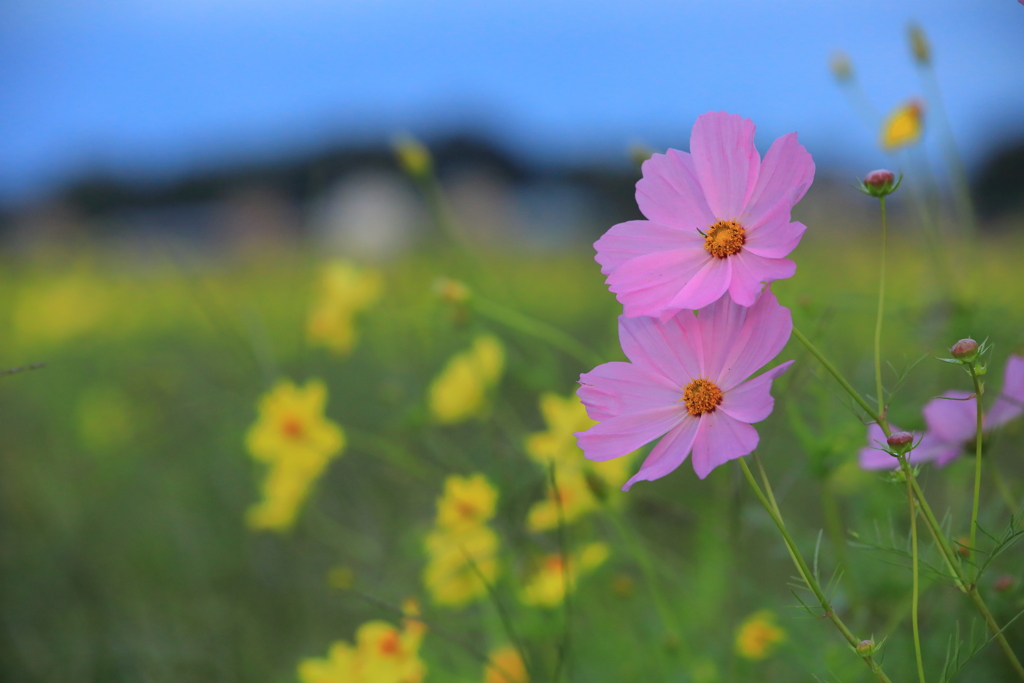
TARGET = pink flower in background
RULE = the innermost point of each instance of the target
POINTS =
(951, 422)
(718, 220)
(686, 381)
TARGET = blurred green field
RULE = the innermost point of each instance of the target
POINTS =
(124, 553)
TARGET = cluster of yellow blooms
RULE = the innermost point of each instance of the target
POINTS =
(344, 291)
(382, 654)
(460, 391)
(294, 438)
(461, 547)
(758, 635)
(579, 483)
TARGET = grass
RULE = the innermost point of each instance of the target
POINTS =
(123, 550)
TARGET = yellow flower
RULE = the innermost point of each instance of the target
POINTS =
(344, 291)
(903, 126)
(467, 502)
(758, 635)
(574, 496)
(297, 441)
(580, 481)
(564, 417)
(546, 588)
(460, 391)
(382, 654)
(506, 666)
(450, 575)
(62, 308)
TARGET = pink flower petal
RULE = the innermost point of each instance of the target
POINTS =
(669, 454)
(1013, 379)
(705, 287)
(624, 434)
(752, 401)
(786, 173)
(614, 389)
(671, 348)
(726, 161)
(631, 239)
(721, 438)
(669, 192)
(644, 285)
(952, 417)
(1002, 411)
(751, 272)
(737, 340)
(775, 239)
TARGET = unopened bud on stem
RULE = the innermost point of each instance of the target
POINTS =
(900, 442)
(841, 67)
(880, 183)
(866, 648)
(919, 44)
(965, 350)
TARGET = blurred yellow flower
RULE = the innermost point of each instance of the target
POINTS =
(382, 654)
(344, 291)
(546, 588)
(460, 391)
(903, 126)
(450, 576)
(506, 666)
(581, 483)
(467, 502)
(297, 441)
(61, 308)
(758, 635)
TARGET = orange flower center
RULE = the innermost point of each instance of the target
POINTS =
(292, 427)
(466, 510)
(701, 396)
(724, 238)
(389, 644)
(553, 563)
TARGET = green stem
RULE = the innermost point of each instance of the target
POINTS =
(842, 380)
(933, 525)
(977, 460)
(805, 573)
(535, 328)
(878, 320)
(908, 475)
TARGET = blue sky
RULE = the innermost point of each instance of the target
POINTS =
(153, 89)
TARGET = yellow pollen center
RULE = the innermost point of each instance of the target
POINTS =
(701, 396)
(724, 238)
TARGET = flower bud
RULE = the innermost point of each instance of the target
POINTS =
(1003, 583)
(866, 648)
(880, 183)
(841, 67)
(919, 45)
(963, 546)
(900, 442)
(965, 350)
(413, 157)
(451, 291)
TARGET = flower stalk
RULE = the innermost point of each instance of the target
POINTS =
(975, 377)
(805, 573)
(908, 475)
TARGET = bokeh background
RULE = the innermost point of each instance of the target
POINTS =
(175, 177)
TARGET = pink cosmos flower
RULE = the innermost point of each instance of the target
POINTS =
(717, 221)
(951, 422)
(686, 381)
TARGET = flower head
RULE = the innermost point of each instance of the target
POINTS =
(457, 560)
(965, 350)
(460, 391)
(903, 126)
(687, 380)
(718, 220)
(467, 502)
(506, 665)
(382, 654)
(297, 441)
(547, 586)
(344, 291)
(880, 183)
(758, 635)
